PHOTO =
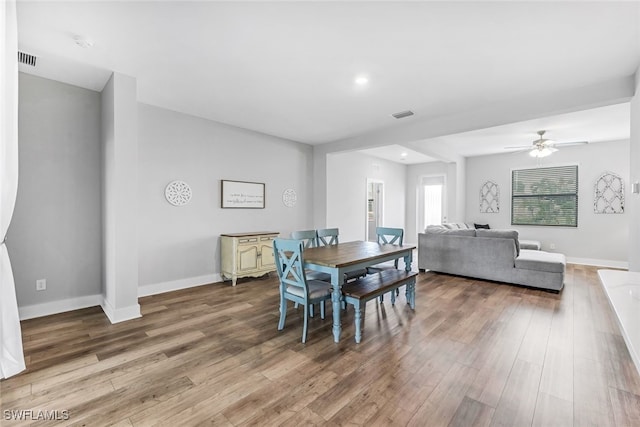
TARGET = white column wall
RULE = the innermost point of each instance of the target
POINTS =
(120, 201)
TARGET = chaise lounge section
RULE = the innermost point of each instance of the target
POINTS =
(490, 255)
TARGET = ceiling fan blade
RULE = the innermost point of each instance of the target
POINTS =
(520, 150)
(530, 147)
(566, 144)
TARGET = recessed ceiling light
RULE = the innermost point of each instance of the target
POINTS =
(403, 154)
(83, 42)
(361, 80)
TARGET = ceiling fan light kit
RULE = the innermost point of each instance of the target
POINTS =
(542, 151)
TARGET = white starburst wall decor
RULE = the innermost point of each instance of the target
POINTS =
(608, 194)
(289, 197)
(489, 197)
(178, 193)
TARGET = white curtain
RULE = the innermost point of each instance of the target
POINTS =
(432, 205)
(11, 356)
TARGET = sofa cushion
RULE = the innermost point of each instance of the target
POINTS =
(451, 232)
(478, 226)
(541, 261)
(530, 244)
(500, 234)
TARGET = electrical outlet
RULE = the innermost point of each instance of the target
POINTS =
(552, 245)
(41, 285)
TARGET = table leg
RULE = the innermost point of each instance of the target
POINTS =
(336, 296)
(407, 261)
(407, 267)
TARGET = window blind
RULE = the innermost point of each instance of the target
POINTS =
(545, 196)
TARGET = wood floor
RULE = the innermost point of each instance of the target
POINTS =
(472, 353)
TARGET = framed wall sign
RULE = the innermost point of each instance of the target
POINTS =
(242, 194)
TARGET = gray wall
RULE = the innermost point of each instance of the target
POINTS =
(56, 229)
(597, 237)
(179, 243)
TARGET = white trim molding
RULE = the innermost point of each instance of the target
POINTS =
(175, 285)
(60, 306)
(120, 314)
(598, 262)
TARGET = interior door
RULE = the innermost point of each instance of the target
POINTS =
(432, 201)
(375, 193)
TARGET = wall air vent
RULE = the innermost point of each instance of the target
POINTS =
(403, 114)
(25, 58)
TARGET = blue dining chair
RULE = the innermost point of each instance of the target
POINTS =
(309, 237)
(390, 236)
(310, 240)
(294, 285)
(329, 236)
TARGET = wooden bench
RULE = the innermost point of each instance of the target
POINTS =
(367, 288)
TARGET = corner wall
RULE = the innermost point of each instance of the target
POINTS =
(633, 200)
(599, 239)
(347, 175)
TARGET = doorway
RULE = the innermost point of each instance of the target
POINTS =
(432, 201)
(375, 203)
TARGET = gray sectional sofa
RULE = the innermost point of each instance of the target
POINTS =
(489, 254)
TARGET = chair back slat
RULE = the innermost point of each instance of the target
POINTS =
(289, 262)
(390, 235)
(327, 236)
(308, 237)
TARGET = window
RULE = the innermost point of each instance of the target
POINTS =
(545, 196)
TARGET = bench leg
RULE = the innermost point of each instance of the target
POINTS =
(393, 296)
(358, 321)
(322, 310)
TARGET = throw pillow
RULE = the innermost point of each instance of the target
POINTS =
(485, 226)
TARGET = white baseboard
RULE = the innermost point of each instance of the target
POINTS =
(120, 314)
(61, 306)
(598, 262)
(174, 285)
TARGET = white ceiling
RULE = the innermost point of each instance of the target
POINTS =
(611, 123)
(399, 154)
(287, 68)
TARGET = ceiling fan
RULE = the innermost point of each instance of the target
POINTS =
(543, 147)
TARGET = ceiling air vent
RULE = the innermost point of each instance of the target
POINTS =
(25, 58)
(403, 114)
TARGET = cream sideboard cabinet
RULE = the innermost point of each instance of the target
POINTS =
(247, 254)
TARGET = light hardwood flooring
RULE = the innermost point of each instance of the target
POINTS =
(472, 353)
